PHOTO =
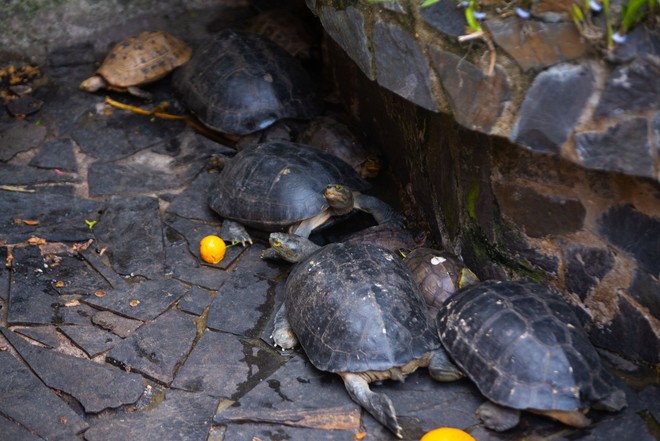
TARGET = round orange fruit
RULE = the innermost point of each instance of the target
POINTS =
(447, 434)
(212, 249)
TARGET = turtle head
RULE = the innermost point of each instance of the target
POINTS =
(370, 167)
(291, 247)
(93, 83)
(340, 198)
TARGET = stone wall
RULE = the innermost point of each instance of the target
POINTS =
(547, 169)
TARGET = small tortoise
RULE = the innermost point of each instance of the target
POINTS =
(356, 311)
(439, 275)
(525, 349)
(138, 60)
(238, 83)
(281, 185)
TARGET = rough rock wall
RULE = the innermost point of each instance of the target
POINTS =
(511, 211)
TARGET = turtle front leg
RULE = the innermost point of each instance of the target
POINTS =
(378, 405)
(441, 368)
(283, 336)
(381, 211)
(140, 93)
(498, 418)
(234, 232)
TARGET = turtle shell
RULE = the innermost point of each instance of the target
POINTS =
(523, 346)
(272, 185)
(240, 82)
(355, 308)
(144, 58)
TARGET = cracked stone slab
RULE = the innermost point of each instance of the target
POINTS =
(534, 44)
(192, 203)
(195, 301)
(242, 432)
(237, 364)
(546, 118)
(46, 335)
(251, 261)
(476, 99)
(61, 216)
(96, 386)
(296, 395)
(183, 416)
(445, 17)
(131, 229)
(602, 150)
(401, 66)
(347, 28)
(118, 325)
(92, 340)
(632, 88)
(4, 275)
(182, 265)
(26, 400)
(70, 275)
(106, 178)
(244, 292)
(31, 299)
(75, 314)
(58, 154)
(194, 232)
(15, 432)
(157, 348)
(19, 136)
(142, 301)
(11, 174)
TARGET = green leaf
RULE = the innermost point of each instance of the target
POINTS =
(90, 224)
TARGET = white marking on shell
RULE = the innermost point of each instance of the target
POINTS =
(437, 260)
(512, 392)
(570, 326)
(384, 331)
(389, 257)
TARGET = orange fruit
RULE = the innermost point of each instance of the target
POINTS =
(447, 434)
(212, 249)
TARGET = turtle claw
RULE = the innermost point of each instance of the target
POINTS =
(235, 233)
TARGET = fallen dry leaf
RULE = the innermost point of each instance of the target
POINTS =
(59, 284)
(100, 293)
(34, 240)
(9, 262)
(26, 222)
(72, 303)
(63, 420)
(134, 303)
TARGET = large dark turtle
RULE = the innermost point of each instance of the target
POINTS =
(238, 83)
(356, 311)
(280, 185)
(138, 60)
(525, 349)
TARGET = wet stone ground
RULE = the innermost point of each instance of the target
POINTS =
(112, 328)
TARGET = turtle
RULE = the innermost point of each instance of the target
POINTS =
(439, 275)
(281, 185)
(356, 311)
(287, 29)
(138, 60)
(523, 346)
(238, 83)
(329, 134)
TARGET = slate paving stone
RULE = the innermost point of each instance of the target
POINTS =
(195, 301)
(70, 274)
(131, 229)
(75, 314)
(26, 400)
(192, 203)
(238, 365)
(153, 298)
(61, 215)
(96, 386)
(19, 136)
(251, 261)
(106, 178)
(46, 335)
(244, 292)
(31, 299)
(296, 395)
(91, 339)
(4, 274)
(26, 175)
(14, 432)
(182, 265)
(182, 416)
(157, 348)
(58, 154)
(121, 326)
(194, 232)
(242, 432)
